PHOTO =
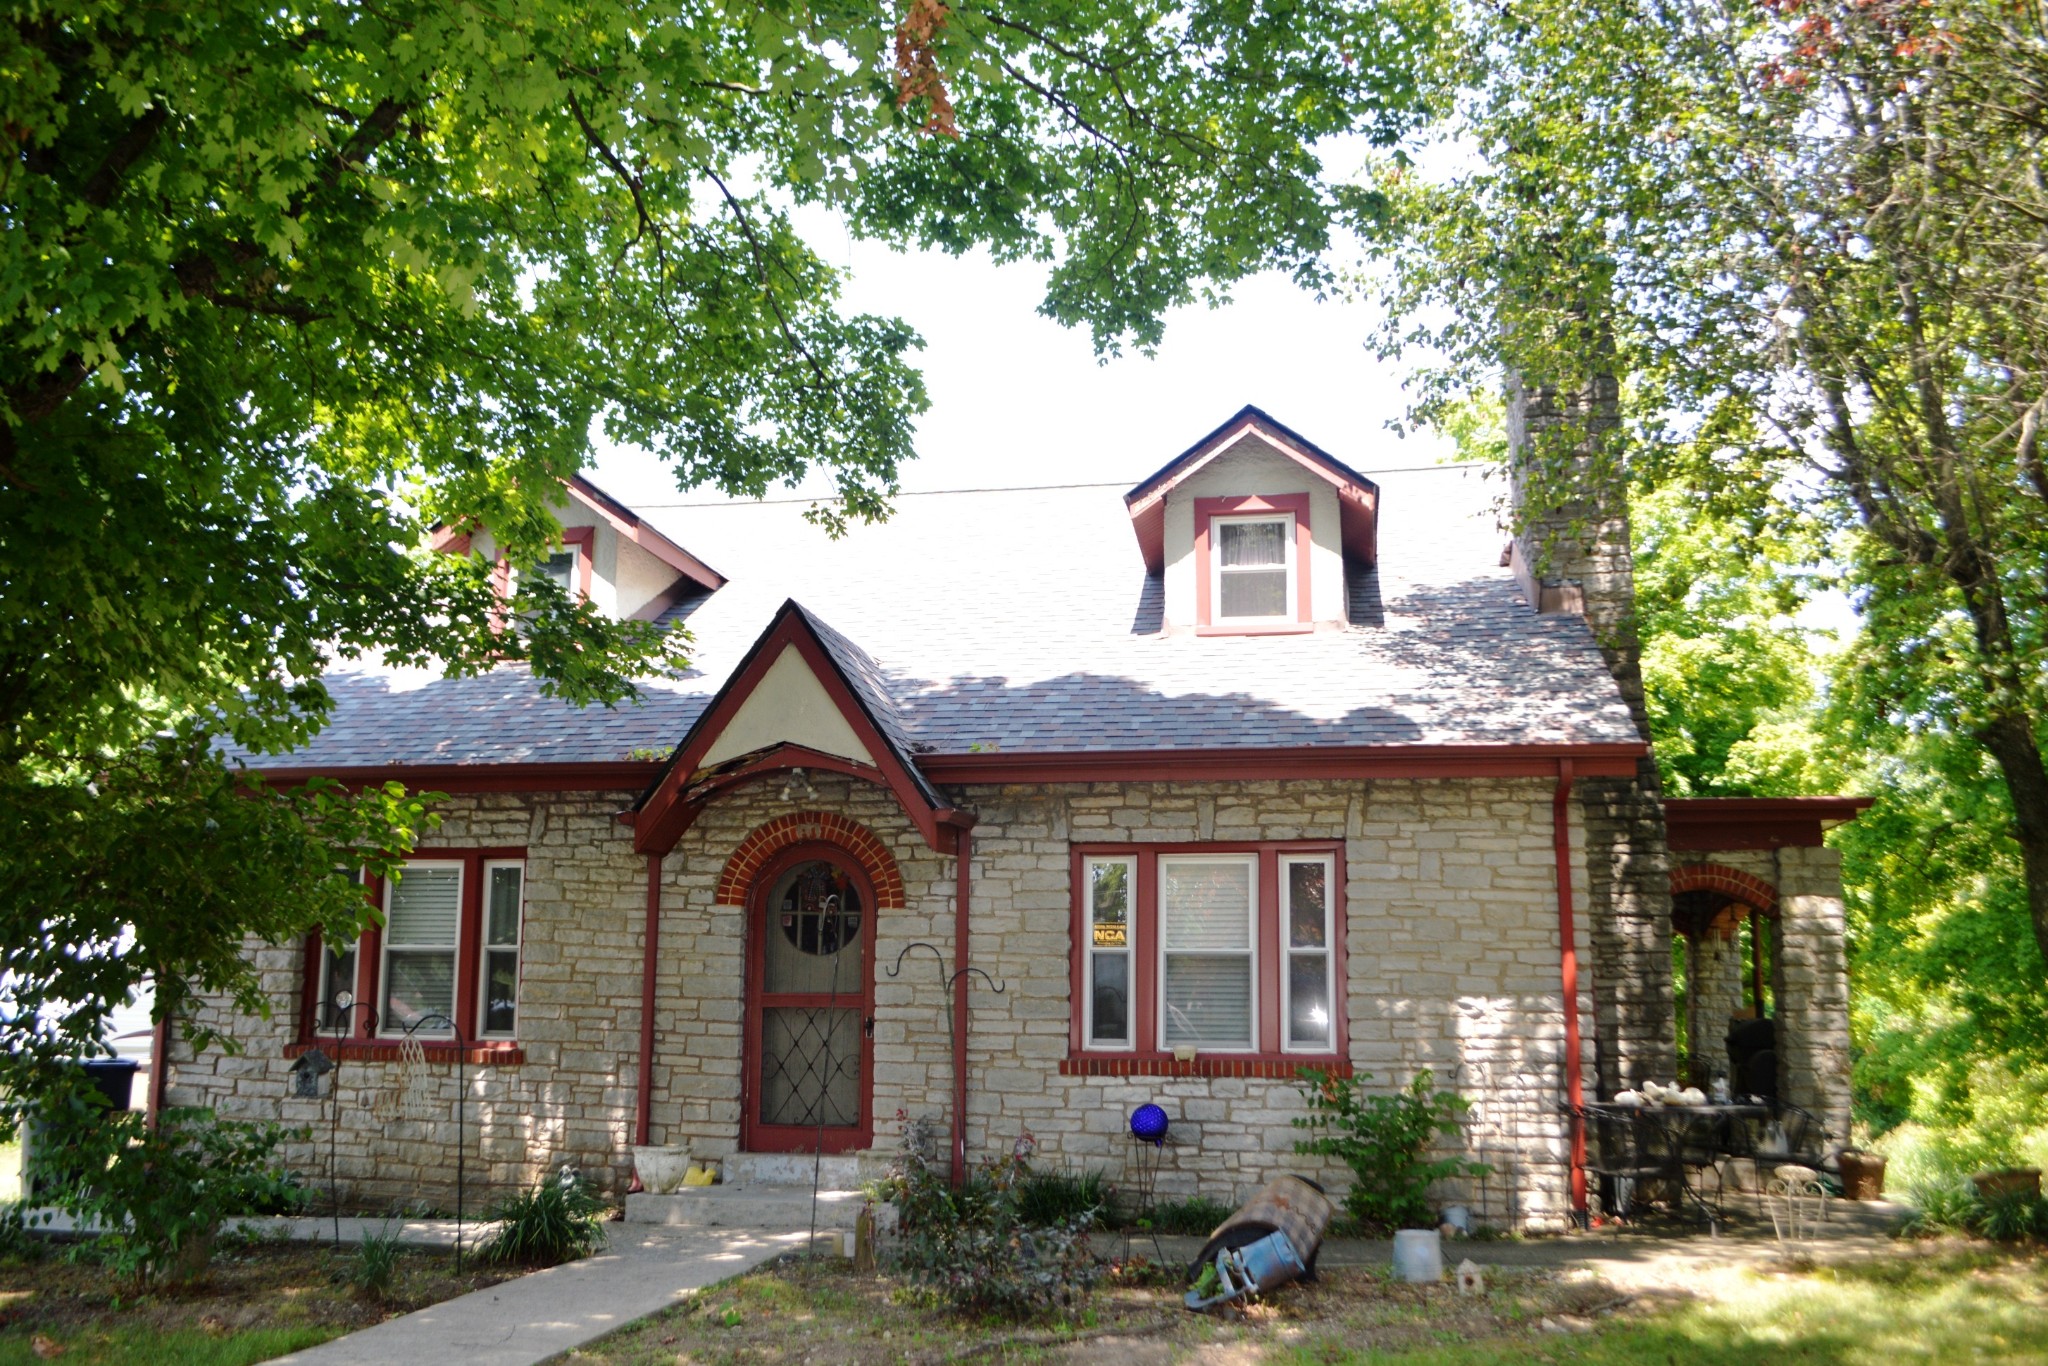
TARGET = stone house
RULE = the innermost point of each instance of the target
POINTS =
(1023, 809)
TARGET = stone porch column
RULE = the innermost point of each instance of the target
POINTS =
(1713, 992)
(1810, 979)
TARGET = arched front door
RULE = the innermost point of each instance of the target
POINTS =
(809, 1067)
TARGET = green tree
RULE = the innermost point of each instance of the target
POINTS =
(1808, 236)
(284, 285)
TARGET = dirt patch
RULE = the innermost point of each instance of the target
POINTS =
(66, 1298)
(798, 1311)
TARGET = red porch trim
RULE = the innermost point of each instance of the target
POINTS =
(1270, 1066)
(1301, 761)
(649, 949)
(963, 859)
(1706, 823)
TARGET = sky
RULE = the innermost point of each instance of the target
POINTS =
(1018, 400)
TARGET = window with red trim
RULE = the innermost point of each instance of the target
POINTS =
(1252, 564)
(443, 958)
(1232, 949)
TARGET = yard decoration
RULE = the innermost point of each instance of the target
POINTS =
(1271, 1241)
(1148, 1124)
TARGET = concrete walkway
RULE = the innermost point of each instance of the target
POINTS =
(519, 1322)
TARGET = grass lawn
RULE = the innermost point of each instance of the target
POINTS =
(259, 1300)
(1955, 1306)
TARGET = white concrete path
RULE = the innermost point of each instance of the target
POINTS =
(642, 1270)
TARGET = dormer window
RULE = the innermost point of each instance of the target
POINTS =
(561, 567)
(1254, 567)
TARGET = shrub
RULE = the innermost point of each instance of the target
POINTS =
(1955, 1207)
(557, 1220)
(976, 1249)
(2014, 1215)
(1384, 1139)
(372, 1268)
(163, 1194)
(1196, 1216)
(1045, 1198)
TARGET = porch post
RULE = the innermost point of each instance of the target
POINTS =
(643, 1101)
(1810, 975)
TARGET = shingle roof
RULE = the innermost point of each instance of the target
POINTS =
(1025, 621)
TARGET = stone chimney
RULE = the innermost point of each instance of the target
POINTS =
(1571, 553)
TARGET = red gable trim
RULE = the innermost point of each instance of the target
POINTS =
(1703, 823)
(629, 524)
(1358, 498)
(672, 804)
(1318, 761)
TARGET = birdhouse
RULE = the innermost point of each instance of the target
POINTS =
(307, 1071)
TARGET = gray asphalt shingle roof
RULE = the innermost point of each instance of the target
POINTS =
(1025, 621)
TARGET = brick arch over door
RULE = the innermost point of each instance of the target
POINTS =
(1733, 883)
(804, 827)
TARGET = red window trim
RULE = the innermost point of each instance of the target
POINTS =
(1206, 511)
(1145, 1057)
(363, 1039)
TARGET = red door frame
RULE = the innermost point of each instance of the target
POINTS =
(756, 1137)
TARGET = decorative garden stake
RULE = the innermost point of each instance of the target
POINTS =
(461, 1104)
(341, 1006)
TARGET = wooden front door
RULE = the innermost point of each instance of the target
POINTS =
(809, 1069)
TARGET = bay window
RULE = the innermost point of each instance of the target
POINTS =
(1225, 950)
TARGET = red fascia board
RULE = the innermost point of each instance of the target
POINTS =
(632, 774)
(629, 524)
(1228, 765)
(664, 812)
(1707, 823)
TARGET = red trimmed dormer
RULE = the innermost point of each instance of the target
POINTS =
(1251, 529)
(608, 556)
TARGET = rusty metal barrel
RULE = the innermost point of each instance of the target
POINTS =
(1292, 1205)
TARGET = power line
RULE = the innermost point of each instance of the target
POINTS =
(1010, 488)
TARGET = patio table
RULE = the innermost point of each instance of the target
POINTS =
(1667, 1144)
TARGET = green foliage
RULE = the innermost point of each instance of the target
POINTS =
(163, 1194)
(557, 1220)
(1954, 1207)
(978, 1249)
(372, 1269)
(1056, 1197)
(1196, 1217)
(1385, 1140)
(285, 286)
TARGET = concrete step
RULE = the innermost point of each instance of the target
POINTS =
(837, 1171)
(774, 1208)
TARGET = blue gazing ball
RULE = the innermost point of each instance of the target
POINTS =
(1148, 1122)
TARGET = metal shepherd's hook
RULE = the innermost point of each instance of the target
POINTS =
(461, 1104)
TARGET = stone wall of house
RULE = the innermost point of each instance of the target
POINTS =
(1453, 957)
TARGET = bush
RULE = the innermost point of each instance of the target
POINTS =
(977, 1249)
(1955, 1207)
(372, 1268)
(1197, 1216)
(1384, 1140)
(163, 1194)
(558, 1220)
(1045, 1198)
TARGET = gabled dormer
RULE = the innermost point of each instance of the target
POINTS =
(608, 556)
(1251, 529)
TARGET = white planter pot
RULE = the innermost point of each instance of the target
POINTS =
(1419, 1256)
(661, 1169)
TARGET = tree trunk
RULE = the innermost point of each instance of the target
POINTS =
(2010, 740)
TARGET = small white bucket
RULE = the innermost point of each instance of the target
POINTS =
(1419, 1256)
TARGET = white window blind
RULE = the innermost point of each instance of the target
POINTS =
(422, 918)
(1207, 914)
